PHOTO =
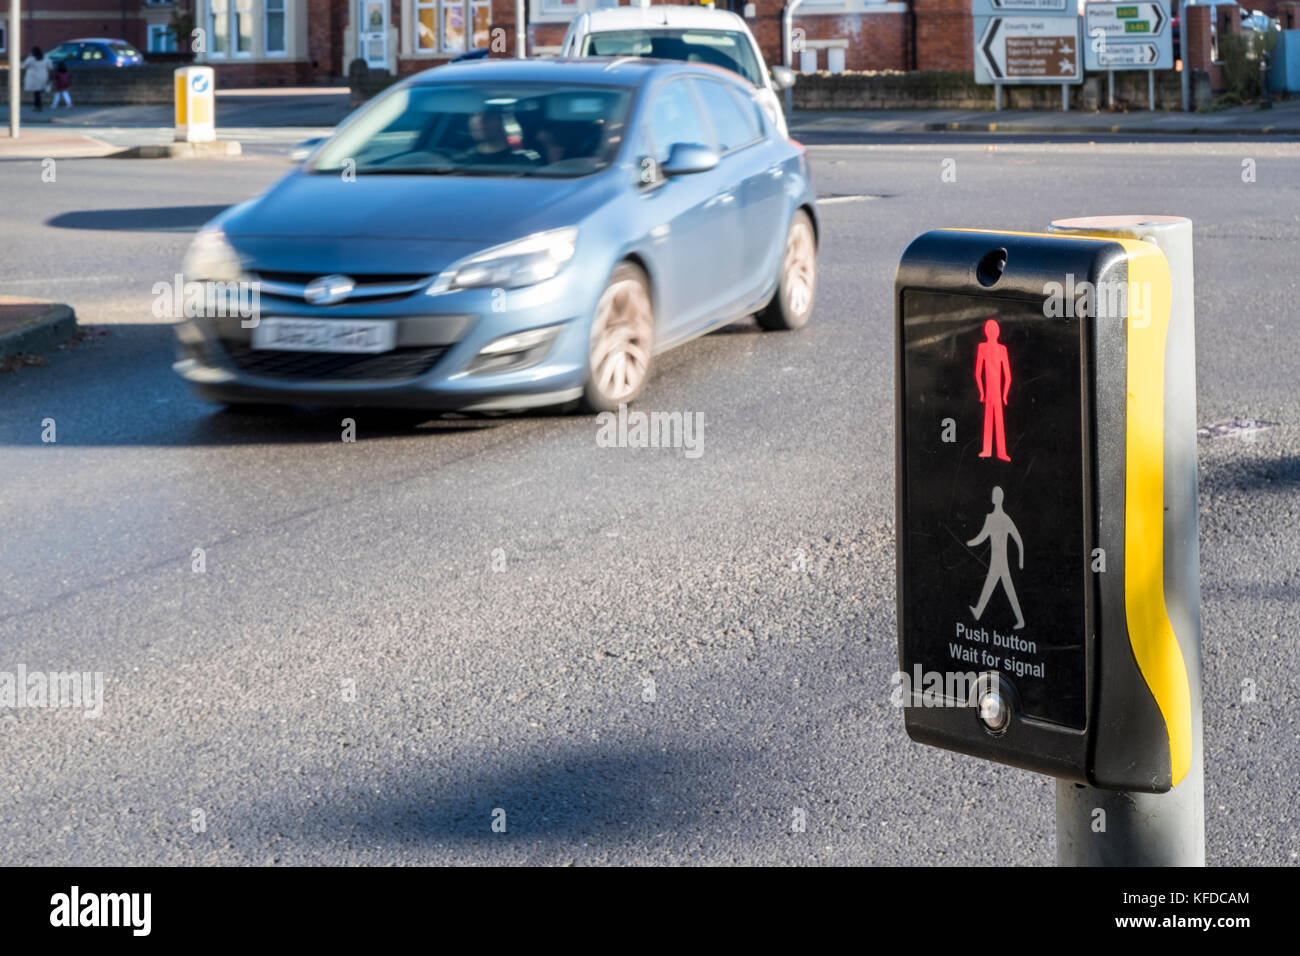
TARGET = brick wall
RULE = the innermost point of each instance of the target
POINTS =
(958, 90)
(877, 41)
(944, 35)
(147, 84)
(279, 73)
(1197, 26)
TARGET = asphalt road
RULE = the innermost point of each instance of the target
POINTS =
(333, 565)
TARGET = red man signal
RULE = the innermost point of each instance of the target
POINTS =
(993, 376)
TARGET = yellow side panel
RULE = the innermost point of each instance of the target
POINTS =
(180, 99)
(1155, 646)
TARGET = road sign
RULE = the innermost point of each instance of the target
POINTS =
(1033, 625)
(1128, 36)
(1027, 49)
(993, 8)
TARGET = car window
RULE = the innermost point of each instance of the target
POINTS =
(483, 129)
(124, 49)
(675, 117)
(60, 52)
(729, 49)
(734, 128)
(91, 52)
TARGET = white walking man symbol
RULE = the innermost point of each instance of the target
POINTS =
(997, 528)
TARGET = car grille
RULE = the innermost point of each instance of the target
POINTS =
(373, 286)
(396, 365)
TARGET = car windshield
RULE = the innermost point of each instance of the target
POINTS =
(483, 129)
(728, 49)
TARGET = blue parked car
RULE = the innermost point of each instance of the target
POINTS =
(508, 234)
(95, 52)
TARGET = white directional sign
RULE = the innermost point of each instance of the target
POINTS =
(1027, 49)
(1128, 36)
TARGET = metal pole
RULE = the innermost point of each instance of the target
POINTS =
(1110, 88)
(1156, 829)
(787, 47)
(468, 21)
(1151, 89)
(1065, 97)
(521, 41)
(1185, 80)
(997, 96)
(15, 88)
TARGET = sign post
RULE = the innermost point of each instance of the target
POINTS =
(1048, 602)
(1026, 41)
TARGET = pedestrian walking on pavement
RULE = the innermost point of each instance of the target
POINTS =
(62, 80)
(37, 76)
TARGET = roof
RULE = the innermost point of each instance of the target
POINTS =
(598, 70)
(625, 18)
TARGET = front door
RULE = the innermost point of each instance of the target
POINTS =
(372, 33)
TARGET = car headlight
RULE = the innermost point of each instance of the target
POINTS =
(212, 258)
(512, 265)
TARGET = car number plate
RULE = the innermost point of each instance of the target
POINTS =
(324, 335)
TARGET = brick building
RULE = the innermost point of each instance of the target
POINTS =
(267, 42)
(145, 24)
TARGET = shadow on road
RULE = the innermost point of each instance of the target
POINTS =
(154, 219)
(548, 804)
(1243, 475)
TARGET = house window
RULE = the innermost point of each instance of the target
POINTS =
(4, 36)
(560, 6)
(426, 25)
(161, 38)
(243, 27)
(440, 25)
(273, 30)
(218, 28)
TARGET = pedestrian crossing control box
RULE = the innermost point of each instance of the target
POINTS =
(1033, 624)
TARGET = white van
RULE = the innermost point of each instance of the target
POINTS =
(693, 34)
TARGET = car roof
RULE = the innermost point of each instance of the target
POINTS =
(96, 40)
(596, 70)
(624, 18)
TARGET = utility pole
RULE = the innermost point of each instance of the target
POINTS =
(15, 88)
(521, 41)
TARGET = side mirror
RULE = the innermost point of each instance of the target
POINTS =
(686, 158)
(782, 77)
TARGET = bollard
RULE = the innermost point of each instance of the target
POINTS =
(1145, 829)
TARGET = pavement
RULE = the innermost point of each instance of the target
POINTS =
(392, 638)
(1282, 120)
(270, 120)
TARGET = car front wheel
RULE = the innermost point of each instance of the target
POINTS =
(797, 284)
(622, 341)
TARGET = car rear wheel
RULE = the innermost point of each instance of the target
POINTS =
(797, 284)
(622, 341)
